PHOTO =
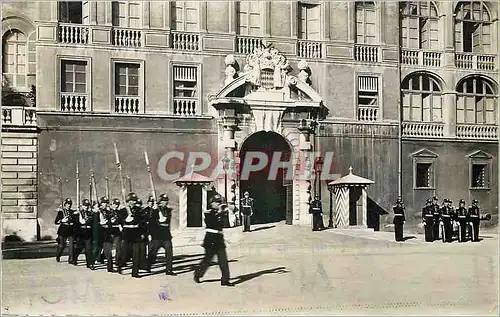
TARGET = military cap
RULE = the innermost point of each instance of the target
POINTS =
(474, 201)
(104, 199)
(68, 201)
(429, 201)
(462, 201)
(138, 202)
(116, 201)
(163, 197)
(434, 198)
(216, 199)
(86, 202)
(151, 199)
(132, 196)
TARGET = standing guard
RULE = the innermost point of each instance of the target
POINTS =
(214, 241)
(317, 214)
(161, 237)
(132, 238)
(85, 233)
(111, 233)
(145, 219)
(461, 215)
(247, 205)
(436, 212)
(64, 219)
(447, 217)
(428, 220)
(399, 219)
(474, 219)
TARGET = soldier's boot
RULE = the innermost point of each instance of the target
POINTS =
(227, 283)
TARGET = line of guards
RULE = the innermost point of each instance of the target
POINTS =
(96, 229)
(443, 221)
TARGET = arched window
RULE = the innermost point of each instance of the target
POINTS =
(366, 22)
(476, 100)
(473, 27)
(422, 99)
(14, 58)
(419, 25)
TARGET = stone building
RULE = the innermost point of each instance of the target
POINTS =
(405, 93)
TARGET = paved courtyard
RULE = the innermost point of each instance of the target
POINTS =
(278, 269)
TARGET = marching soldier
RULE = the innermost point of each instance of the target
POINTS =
(111, 232)
(161, 237)
(428, 220)
(473, 216)
(214, 241)
(317, 214)
(436, 212)
(77, 239)
(132, 235)
(461, 215)
(85, 233)
(64, 219)
(145, 219)
(447, 216)
(399, 219)
(247, 205)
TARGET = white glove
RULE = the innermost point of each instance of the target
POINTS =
(150, 238)
(155, 205)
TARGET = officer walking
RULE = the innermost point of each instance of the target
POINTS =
(145, 219)
(317, 214)
(428, 220)
(64, 219)
(399, 219)
(161, 237)
(447, 216)
(132, 235)
(436, 212)
(461, 215)
(247, 206)
(474, 220)
(111, 233)
(85, 233)
(214, 241)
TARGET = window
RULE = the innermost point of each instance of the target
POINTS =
(76, 12)
(127, 79)
(74, 76)
(249, 18)
(368, 98)
(419, 25)
(422, 99)
(309, 26)
(366, 22)
(14, 58)
(473, 27)
(185, 90)
(476, 101)
(186, 16)
(127, 14)
(424, 163)
(479, 176)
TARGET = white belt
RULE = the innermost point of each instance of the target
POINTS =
(245, 206)
(474, 216)
(86, 227)
(131, 226)
(446, 216)
(398, 215)
(213, 231)
(164, 225)
(461, 216)
(429, 215)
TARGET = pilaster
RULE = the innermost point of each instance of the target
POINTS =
(351, 26)
(203, 16)
(168, 15)
(266, 18)
(233, 16)
(109, 13)
(54, 11)
(449, 113)
(146, 8)
(449, 33)
(325, 20)
(294, 18)
(93, 12)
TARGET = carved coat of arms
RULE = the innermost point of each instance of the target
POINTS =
(266, 67)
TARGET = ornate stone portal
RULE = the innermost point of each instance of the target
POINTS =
(267, 97)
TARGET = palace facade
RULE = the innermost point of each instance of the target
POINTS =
(404, 93)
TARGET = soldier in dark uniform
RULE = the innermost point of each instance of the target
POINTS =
(110, 224)
(132, 235)
(461, 215)
(145, 218)
(447, 217)
(436, 212)
(474, 219)
(317, 214)
(399, 219)
(159, 227)
(64, 219)
(77, 238)
(85, 233)
(247, 205)
(214, 241)
(97, 231)
(428, 220)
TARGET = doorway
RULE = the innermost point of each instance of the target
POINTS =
(355, 206)
(272, 200)
(194, 206)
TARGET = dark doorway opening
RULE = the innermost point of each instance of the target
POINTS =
(273, 197)
(194, 206)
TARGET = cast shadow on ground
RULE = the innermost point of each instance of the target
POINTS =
(409, 238)
(262, 228)
(247, 277)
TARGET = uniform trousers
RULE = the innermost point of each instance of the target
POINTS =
(398, 230)
(84, 242)
(317, 222)
(474, 229)
(435, 232)
(210, 252)
(246, 222)
(462, 232)
(135, 247)
(113, 239)
(61, 245)
(447, 229)
(154, 246)
(429, 229)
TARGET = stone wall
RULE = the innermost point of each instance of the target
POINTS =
(19, 185)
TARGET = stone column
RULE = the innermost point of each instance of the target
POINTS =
(229, 143)
(307, 176)
(449, 113)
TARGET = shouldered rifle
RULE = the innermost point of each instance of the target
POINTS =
(107, 186)
(102, 217)
(119, 166)
(77, 188)
(153, 190)
(65, 212)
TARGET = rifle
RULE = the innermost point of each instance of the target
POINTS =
(162, 217)
(129, 181)
(61, 192)
(77, 188)
(119, 166)
(107, 187)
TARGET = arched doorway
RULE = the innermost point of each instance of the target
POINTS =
(273, 197)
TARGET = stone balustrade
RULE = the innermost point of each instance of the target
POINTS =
(74, 102)
(367, 113)
(127, 37)
(186, 107)
(73, 33)
(423, 129)
(366, 53)
(185, 41)
(246, 44)
(310, 49)
(477, 131)
(18, 116)
(128, 105)
(421, 58)
(475, 61)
